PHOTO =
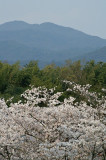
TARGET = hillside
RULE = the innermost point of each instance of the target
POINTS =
(45, 42)
(98, 55)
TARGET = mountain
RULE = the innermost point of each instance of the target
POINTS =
(46, 42)
(14, 25)
(98, 55)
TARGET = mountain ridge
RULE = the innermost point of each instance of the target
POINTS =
(24, 24)
(46, 41)
(100, 55)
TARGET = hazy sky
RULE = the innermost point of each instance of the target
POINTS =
(86, 15)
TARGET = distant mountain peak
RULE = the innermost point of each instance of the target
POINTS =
(14, 25)
(46, 42)
(49, 23)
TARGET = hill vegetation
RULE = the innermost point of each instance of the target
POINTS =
(14, 79)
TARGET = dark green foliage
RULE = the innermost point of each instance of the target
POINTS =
(96, 75)
(42, 104)
(14, 79)
(78, 97)
(65, 94)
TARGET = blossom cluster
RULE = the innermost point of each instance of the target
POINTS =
(92, 97)
(56, 131)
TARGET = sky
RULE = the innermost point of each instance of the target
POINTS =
(88, 16)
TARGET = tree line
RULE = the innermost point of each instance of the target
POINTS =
(15, 79)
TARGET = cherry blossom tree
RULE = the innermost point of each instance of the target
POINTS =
(54, 130)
